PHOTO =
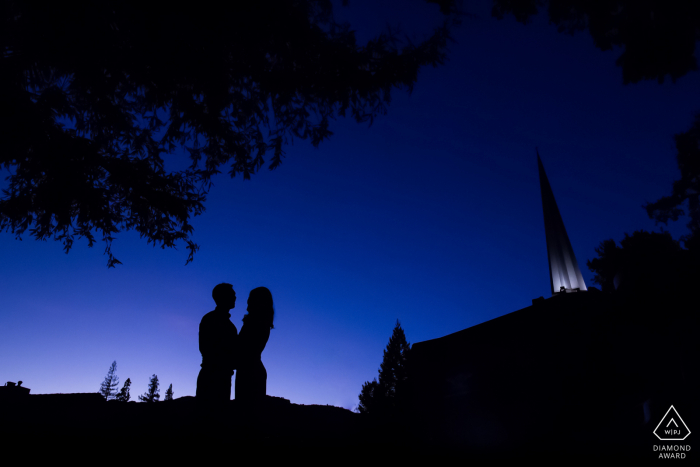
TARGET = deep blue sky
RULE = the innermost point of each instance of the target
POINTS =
(431, 216)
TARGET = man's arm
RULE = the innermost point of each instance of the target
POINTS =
(209, 341)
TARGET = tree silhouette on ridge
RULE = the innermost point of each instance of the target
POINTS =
(169, 393)
(387, 395)
(124, 394)
(153, 393)
(108, 388)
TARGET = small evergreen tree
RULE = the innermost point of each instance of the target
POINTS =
(124, 395)
(169, 393)
(369, 396)
(108, 388)
(387, 395)
(153, 393)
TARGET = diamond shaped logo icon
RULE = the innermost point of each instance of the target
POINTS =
(671, 427)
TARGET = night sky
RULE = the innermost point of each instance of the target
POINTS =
(431, 216)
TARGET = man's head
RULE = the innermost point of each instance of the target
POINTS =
(224, 296)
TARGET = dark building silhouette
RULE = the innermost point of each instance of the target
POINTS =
(579, 371)
(12, 390)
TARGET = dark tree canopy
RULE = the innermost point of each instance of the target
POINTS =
(96, 93)
(645, 259)
(686, 189)
(658, 36)
(369, 397)
(652, 278)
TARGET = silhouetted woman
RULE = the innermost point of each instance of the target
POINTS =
(251, 378)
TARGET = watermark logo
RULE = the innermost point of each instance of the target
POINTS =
(672, 427)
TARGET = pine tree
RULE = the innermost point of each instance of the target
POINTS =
(369, 397)
(388, 394)
(124, 395)
(108, 388)
(169, 393)
(153, 393)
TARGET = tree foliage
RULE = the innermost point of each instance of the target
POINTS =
(388, 395)
(644, 260)
(658, 37)
(658, 40)
(124, 394)
(169, 393)
(96, 93)
(369, 397)
(108, 388)
(652, 279)
(686, 189)
(153, 393)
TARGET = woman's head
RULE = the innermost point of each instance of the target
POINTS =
(260, 306)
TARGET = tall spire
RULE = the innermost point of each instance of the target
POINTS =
(563, 268)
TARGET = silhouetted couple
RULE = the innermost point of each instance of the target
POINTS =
(225, 350)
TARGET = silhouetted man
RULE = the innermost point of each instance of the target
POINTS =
(217, 343)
